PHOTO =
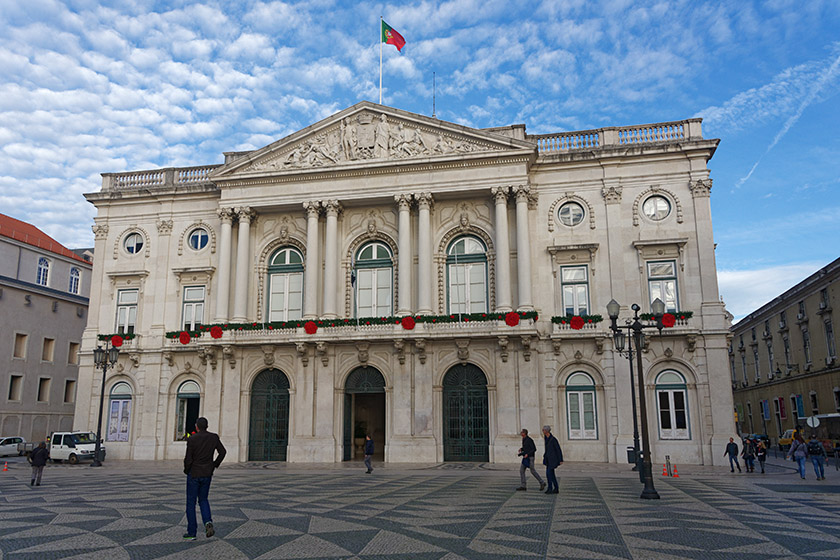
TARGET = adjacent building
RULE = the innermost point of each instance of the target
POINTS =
(783, 360)
(44, 291)
(389, 273)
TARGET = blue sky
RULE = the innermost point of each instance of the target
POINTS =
(87, 88)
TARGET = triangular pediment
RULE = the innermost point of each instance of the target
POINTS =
(367, 134)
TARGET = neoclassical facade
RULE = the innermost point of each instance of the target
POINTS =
(389, 273)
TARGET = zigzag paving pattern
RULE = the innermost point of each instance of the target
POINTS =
(136, 512)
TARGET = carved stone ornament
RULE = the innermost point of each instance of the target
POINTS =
(134, 357)
(691, 342)
(700, 188)
(169, 359)
(100, 231)
(321, 352)
(463, 349)
(503, 348)
(227, 353)
(578, 356)
(420, 344)
(556, 347)
(164, 227)
(526, 348)
(362, 348)
(669, 353)
(268, 354)
(399, 347)
(302, 353)
(368, 136)
(611, 194)
(599, 344)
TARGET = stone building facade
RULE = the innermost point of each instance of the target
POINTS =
(388, 273)
(783, 360)
(44, 291)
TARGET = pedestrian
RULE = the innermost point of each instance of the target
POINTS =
(748, 454)
(818, 456)
(528, 452)
(199, 466)
(732, 451)
(368, 452)
(38, 458)
(761, 454)
(799, 452)
(552, 458)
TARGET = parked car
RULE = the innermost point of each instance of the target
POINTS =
(9, 445)
(73, 446)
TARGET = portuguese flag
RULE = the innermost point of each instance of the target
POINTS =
(391, 36)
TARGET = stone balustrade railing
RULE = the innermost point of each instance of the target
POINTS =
(157, 178)
(615, 136)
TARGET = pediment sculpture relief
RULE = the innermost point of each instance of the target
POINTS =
(368, 137)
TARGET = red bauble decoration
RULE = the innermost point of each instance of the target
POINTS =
(576, 322)
(668, 320)
(184, 337)
(116, 341)
(310, 327)
(216, 332)
(512, 319)
(407, 323)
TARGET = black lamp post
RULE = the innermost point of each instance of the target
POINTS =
(102, 359)
(635, 328)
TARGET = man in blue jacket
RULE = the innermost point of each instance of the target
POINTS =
(552, 458)
(368, 452)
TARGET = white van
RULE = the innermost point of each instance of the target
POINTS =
(73, 446)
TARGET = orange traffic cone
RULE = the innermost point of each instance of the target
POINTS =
(676, 475)
(5, 466)
(664, 470)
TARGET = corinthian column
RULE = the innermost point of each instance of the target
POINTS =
(404, 243)
(331, 259)
(523, 249)
(500, 194)
(223, 287)
(310, 289)
(424, 253)
(243, 257)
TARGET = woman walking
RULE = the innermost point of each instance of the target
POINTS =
(761, 454)
(799, 453)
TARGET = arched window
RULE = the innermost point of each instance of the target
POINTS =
(466, 267)
(374, 280)
(43, 271)
(75, 276)
(189, 399)
(581, 410)
(119, 416)
(672, 405)
(285, 285)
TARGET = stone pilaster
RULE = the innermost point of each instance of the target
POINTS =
(333, 208)
(424, 253)
(503, 299)
(313, 264)
(243, 258)
(404, 242)
(223, 286)
(523, 249)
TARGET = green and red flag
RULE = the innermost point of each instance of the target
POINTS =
(391, 36)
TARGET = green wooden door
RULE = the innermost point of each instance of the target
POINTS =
(466, 433)
(268, 436)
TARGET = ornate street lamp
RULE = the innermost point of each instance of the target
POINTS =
(635, 329)
(102, 359)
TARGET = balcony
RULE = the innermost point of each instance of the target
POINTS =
(169, 177)
(648, 134)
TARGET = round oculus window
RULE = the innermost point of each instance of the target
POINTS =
(133, 243)
(656, 208)
(570, 214)
(198, 239)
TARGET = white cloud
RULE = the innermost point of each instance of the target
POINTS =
(744, 291)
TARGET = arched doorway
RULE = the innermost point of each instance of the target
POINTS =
(364, 412)
(268, 436)
(466, 432)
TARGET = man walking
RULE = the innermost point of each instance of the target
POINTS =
(732, 451)
(816, 452)
(552, 458)
(528, 452)
(368, 452)
(38, 458)
(199, 466)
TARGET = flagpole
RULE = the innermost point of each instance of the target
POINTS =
(380, 60)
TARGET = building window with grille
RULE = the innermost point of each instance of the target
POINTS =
(43, 276)
(744, 366)
(757, 364)
(285, 285)
(662, 283)
(126, 311)
(188, 405)
(786, 346)
(672, 405)
(581, 410)
(374, 274)
(815, 408)
(806, 345)
(575, 289)
(830, 346)
(750, 417)
(119, 415)
(193, 307)
(75, 278)
(466, 267)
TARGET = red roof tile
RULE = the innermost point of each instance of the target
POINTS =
(29, 234)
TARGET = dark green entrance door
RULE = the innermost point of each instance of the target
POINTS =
(466, 433)
(268, 436)
(364, 409)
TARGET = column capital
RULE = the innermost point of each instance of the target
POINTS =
(225, 214)
(312, 208)
(500, 194)
(245, 214)
(424, 199)
(522, 193)
(403, 201)
(332, 207)
(700, 188)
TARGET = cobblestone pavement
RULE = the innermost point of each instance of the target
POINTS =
(418, 512)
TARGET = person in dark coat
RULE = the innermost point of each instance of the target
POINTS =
(552, 458)
(528, 452)
(38, 458)
(368, 452)
(199, 466)
(732, 451)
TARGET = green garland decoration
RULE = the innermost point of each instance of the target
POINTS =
(104, 337)
(681, 315)
(566, 319)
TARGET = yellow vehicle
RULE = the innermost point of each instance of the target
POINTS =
(786, 439)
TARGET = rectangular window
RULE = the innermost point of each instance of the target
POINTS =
(806, 345)
(193, 307)
(44, 389)
(73, 353)
(837, 399)
(782, 412)
(765, 410)
(118, 420)
(824, 298)
(750, 417)
(778, 406)
(286, 296)
(673, 420)
(374, 292)
(662, 283)
(744, 366)
(467, 288)
(732, 366)
(48, 350)
(815, 409)
(16, 388)
(757, 364)
(70, 391)
(575, 288)
(126, 311)
(829, 338)
(20, 345)
(797, 405)
(582, 415)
